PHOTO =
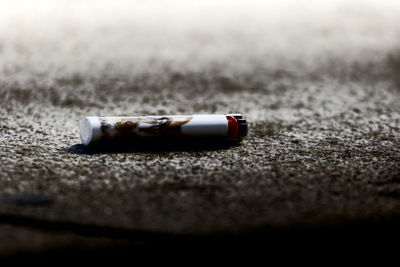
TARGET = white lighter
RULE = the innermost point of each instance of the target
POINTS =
(120, 129)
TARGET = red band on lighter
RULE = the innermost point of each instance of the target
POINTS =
(233, 127)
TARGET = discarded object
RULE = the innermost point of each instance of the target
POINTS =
(179, 127)
(28, 199)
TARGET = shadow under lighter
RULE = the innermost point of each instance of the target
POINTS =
(95, 130)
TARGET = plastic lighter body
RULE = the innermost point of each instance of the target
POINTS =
(136, 128)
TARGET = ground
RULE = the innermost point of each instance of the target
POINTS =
(317, 82)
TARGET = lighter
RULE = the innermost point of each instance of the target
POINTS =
(96, 130)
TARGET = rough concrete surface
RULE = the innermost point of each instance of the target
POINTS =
(318, 82)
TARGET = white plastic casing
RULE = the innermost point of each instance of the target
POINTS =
(198, 126)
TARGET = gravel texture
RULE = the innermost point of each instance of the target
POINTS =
(317, 82)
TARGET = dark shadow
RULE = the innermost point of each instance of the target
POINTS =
(266, 242)
(153, 147)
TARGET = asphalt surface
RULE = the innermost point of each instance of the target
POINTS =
(318, 83)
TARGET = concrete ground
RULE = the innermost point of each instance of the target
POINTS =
(318, 82)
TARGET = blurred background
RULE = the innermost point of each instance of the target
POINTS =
(318, 82)
(84, 53)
